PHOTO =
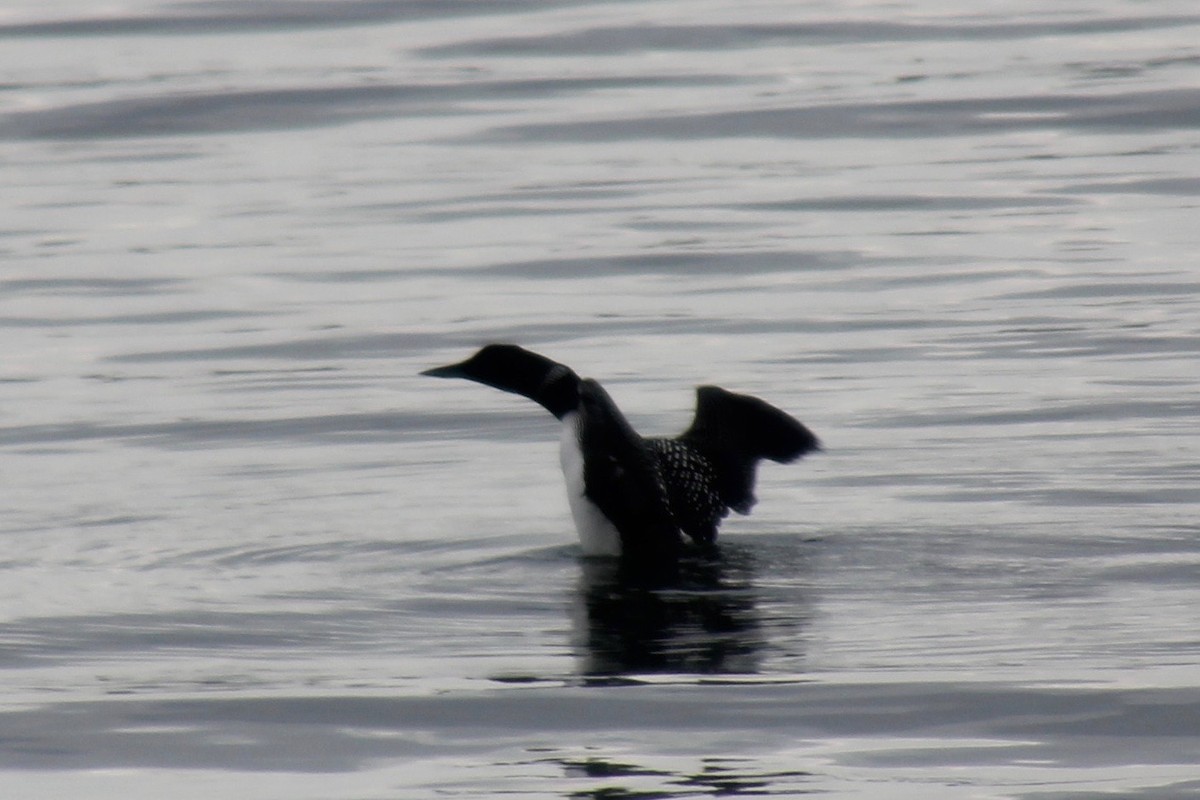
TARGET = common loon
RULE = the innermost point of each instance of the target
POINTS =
(633, 496)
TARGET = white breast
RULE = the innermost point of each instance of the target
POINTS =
(596, 534)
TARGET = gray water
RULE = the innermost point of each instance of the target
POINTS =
(246, 551)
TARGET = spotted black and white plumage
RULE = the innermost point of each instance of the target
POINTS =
(690, 482)
(634, 496)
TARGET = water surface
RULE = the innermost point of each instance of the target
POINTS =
(247, 549)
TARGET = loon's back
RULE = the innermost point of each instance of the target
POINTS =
(710, 467)
(690, 483)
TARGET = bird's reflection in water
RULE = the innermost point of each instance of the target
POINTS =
(701, 618)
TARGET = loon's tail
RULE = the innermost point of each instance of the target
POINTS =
(736, 431)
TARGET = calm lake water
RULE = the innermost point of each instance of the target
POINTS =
(246, 551)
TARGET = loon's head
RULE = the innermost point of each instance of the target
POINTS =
(494, 365)
(514, 369)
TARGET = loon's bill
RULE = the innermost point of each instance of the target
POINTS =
(635, 496)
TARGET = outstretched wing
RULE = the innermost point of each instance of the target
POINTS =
(735, 431)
